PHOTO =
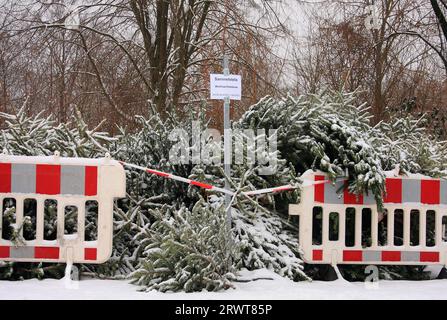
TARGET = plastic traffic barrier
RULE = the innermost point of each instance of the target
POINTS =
(71, 183)
(338, 227)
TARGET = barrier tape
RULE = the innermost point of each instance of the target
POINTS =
(307, 183)
(217, 189)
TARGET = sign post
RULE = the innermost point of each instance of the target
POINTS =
(227, 145)
(226, 87)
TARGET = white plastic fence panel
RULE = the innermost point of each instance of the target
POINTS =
(66, 185)
(405, 197)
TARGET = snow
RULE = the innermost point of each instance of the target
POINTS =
(277, 288)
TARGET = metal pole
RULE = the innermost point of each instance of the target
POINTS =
(227, 146)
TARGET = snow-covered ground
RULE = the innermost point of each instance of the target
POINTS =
(278, 288)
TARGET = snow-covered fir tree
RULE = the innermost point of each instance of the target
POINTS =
(170, 236)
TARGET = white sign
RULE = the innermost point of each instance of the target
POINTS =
(223, 86)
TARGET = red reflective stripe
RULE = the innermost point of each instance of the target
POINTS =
(391, 256)
(351, 198)
(91, 181)
(393, 191)
(430, 191)
(90, 254)
(352, 255)
(319, 190)
(429, 257)
(201, 185)
(277, 190)
(46, 253)
(158, 173)
(4, 252)
(5, 177)
(48, 179)
(317, 255)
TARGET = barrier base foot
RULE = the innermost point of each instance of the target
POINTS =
(68, 268)
(339, 275)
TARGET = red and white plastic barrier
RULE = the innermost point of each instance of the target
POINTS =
(217, 189)
(71, 182)
(323, 240)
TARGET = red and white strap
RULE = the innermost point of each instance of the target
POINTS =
(177, 178)
(213, 188)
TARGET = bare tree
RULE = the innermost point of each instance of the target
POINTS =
(343, 54)
(124, 53)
